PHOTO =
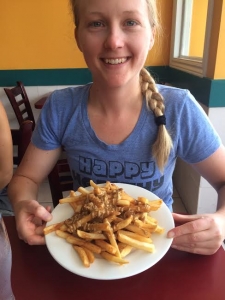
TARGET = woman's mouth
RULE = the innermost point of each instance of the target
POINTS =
(115, 61)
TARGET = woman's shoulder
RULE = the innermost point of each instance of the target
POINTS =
(170, 91)
(177, 97)
(69, 95)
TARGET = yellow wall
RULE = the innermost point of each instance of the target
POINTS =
(39, 35)
(216, 61)
(198, 24)
(220, 62)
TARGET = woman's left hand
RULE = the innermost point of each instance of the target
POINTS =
(200, 234)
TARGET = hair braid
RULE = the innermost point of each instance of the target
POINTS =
(155, 102)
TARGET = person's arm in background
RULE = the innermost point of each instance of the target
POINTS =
(23, 191)
(6, 149)
(204, 234)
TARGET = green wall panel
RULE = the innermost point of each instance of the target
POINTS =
(207, 91)
(45, 77)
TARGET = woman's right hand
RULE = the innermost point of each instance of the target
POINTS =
(31, 218)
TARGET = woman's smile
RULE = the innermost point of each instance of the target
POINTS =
(115, 61)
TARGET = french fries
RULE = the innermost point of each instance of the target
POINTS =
(107, 222)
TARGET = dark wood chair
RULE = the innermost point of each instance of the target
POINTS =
(60, 180)
(21, 138)
(20, 103)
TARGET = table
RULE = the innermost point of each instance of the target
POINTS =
(40, 103)
(178, 275)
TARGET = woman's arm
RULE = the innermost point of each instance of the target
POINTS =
(204, 234)
(23, 190)
(6, 149)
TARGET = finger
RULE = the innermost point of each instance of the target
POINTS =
(39, 211)
(200, 248)
(36, 240)
(195, 238)
(33, 237)
(48, 208)
(40, 230)
(200, 245)
(180, 218)
(199, 224)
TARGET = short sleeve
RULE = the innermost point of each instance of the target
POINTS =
(197, 138)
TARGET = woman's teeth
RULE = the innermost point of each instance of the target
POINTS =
(115, 61)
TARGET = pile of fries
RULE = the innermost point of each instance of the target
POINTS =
(107, 222)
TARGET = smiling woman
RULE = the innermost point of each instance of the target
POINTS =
(122, 127)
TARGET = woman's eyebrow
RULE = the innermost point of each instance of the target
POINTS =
(134, 12)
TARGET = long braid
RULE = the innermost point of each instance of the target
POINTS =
(155, 102)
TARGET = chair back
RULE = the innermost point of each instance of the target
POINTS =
(60, 180)
(20, 103)
(21, 138)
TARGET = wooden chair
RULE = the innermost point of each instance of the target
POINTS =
(21, 138)
(60, 180)
(20, 103)
(25, 134)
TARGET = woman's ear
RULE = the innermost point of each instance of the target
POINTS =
(152, 39)
(76, 35)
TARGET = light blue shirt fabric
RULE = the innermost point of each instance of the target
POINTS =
(64, 122)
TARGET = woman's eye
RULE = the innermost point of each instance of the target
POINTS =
(131, 23)
(96, 24)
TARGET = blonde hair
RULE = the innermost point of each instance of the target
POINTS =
(154, 100)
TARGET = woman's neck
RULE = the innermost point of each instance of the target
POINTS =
(113, 113)
(115, 99)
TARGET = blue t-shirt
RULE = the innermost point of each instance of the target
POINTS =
(64, 122)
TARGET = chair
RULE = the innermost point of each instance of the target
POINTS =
(20, 103)
(25, 134)
(60, 180)
(21, 138)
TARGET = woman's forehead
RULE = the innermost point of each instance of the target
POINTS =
(118, 5)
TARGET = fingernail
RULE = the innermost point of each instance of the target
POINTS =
(170, 234)
(47, 216)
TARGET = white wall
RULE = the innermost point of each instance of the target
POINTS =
(34, 93)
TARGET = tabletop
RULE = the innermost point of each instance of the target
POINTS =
(40, 103)
(178, 275)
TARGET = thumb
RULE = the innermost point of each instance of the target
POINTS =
(39, 211)
(43, 213)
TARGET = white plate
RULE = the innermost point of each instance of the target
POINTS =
(139, 260)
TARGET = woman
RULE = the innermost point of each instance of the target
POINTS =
(6, 160)
(122, 127)
(6, 152)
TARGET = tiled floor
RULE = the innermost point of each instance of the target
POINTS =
(45, 198)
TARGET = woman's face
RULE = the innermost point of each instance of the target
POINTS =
(115, 37)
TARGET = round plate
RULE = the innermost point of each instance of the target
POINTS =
(101, 269)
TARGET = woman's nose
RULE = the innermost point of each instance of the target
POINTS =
(114, 39)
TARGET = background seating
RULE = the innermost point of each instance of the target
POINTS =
(20, 103)
(60, 180)
(21, 138)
